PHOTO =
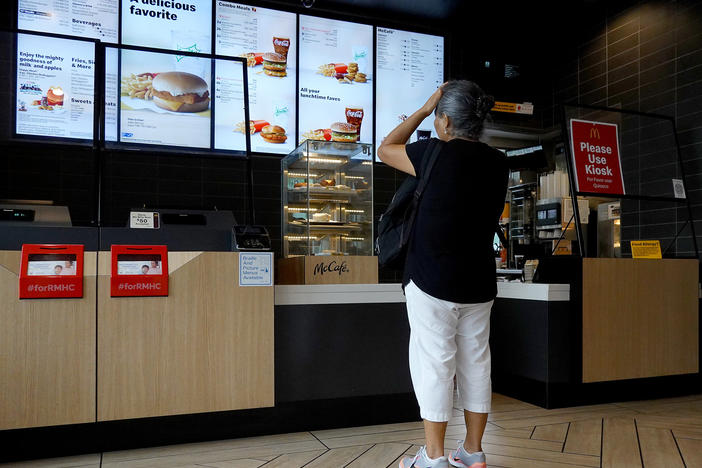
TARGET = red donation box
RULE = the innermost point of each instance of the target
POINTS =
(139, 270)
(51, 271)
(596, 157)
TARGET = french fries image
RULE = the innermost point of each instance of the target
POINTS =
(138, 86)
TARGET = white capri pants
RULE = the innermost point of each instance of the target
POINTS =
(448, 339)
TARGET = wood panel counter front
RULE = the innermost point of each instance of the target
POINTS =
(47, 352)
(206, 347)
(640, 318)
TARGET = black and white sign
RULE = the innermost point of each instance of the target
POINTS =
(410, 68)
(97, 19)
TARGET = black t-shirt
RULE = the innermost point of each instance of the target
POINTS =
(451, 255)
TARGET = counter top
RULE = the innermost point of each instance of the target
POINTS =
(392, 292)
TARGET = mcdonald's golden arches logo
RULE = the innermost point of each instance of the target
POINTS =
(595, 133)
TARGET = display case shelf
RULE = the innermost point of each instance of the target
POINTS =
(327, 199)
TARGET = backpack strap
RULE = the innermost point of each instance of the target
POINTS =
(431, 154)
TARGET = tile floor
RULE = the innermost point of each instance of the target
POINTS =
(657, 433)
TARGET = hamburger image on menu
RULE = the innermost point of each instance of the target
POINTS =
(180, 92)
(275, 64)
(342, 131)
(172, 91)
(269, 133)
(273, 134)
(349, 131)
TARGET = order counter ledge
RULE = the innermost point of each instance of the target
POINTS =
(392, 292)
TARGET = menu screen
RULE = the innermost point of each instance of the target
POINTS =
(410, 68)
(266, 38)
(95, 20)
(55, 87)
(111, 93)
(335, 84)
(229, 110)
(165, 99)
(168, 24)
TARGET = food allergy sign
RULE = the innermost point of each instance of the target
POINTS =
(596, 157)
(256, 269)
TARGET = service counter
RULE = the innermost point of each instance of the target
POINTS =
(205, 347)
(336, 341)
(47, 347)
(630, 330)
(219, 360)
(611, 329)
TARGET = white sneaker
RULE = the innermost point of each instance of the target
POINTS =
(422, 460)
(462, 459)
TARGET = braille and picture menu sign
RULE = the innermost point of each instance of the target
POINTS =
(596, 157)
(256, 269)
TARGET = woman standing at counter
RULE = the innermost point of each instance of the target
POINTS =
(449, 277)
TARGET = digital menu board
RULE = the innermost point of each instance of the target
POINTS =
(98, 19)
(184, 25)
(267, 39)
(111, 92)
(229, 105)
(335, 80)
(410, 68)
(165, 99)
(55, 87)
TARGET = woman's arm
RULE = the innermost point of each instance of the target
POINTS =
(392, 150)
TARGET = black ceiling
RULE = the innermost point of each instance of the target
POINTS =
(433, 9)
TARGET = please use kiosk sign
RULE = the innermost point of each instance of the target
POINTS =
(596, 157)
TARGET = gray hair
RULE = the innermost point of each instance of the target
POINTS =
(466, 105)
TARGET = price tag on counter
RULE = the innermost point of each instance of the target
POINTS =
(256, 269)
(143, 220)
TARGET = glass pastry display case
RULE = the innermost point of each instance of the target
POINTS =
(328, 199)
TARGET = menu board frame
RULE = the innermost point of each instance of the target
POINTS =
(210, 150)
(345, 19)
(402, 28)
(97, 80)
(291, 128)
(16, 27)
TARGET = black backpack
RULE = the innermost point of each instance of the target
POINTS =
(396, 224)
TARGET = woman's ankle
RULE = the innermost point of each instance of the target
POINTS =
(434, 452)
(470, 448)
